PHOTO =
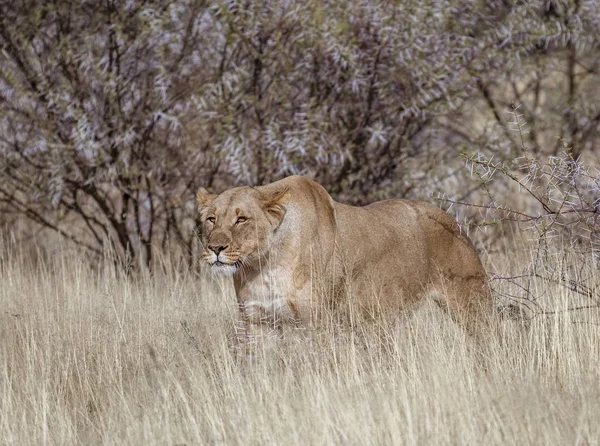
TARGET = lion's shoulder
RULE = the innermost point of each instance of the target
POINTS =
(294, 183)
(306, 195)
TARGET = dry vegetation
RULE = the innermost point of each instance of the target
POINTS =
(113, 114)
(89, 356)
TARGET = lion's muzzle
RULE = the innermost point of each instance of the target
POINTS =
(217, 255)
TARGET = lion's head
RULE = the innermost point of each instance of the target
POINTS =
(239, 225)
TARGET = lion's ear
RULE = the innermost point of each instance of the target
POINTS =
(203, 198)
(275, 203)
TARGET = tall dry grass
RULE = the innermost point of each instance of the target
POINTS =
(88, 356)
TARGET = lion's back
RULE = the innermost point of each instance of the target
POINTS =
(409, 243)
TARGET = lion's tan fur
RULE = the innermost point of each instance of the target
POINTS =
(300, 252)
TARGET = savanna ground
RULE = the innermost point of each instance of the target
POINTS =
(90, 356)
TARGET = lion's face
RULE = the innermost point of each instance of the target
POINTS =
(238, 226)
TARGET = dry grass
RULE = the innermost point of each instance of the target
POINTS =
(90, 357)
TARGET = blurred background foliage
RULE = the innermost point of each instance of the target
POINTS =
(113, 113)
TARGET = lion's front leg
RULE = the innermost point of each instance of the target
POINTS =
(260, 321)
(248, 333)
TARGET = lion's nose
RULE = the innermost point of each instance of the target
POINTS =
(217, 248)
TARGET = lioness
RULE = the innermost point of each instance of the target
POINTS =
(293, 251)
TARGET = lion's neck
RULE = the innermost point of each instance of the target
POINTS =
(268, 277)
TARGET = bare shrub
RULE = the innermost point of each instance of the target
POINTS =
(113, 113)
(555, 201)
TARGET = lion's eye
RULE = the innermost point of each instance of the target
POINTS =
(211, 220)
(241, 220)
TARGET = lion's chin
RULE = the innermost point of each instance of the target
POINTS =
(223, 269)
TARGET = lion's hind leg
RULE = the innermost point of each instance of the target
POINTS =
(468, 302)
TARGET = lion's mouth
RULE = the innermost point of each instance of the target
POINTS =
(225, 267)
(220, 263)
(223, 263)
